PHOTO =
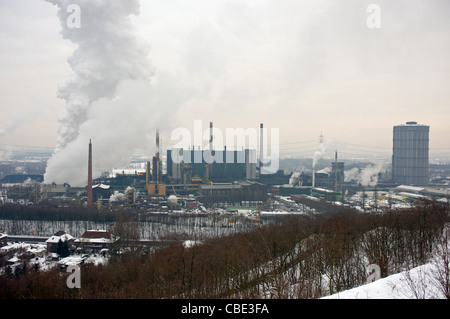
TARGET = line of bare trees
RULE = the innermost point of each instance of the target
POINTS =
(53, 213)
(300, 258)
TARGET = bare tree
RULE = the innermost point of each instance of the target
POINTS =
(415, 284)
(126, 232)
(441, 262)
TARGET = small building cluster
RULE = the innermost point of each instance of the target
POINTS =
(90, 241)
(61, 248)
(95, 240)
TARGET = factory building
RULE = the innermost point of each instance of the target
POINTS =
(337, 174)
(234, 193)
(410, 154)
(188, 166)
(101, 191)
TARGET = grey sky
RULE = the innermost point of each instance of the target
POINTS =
(305, 67)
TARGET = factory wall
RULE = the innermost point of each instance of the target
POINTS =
(227, 164)
(234, 193)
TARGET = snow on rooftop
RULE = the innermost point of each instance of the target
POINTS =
(410, 188)
(14, 259)
(103, 186)
(94, 240)
(56, 239)
(190, 243)
(71, 260)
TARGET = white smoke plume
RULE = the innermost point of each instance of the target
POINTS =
(100, 102)
(323, 148)
(368, 176)
(351, 175)
(294, 179)
(117, 197)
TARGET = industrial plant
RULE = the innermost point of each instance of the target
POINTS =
(186, 180)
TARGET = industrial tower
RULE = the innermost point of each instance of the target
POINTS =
(89, 191)
(410, 154)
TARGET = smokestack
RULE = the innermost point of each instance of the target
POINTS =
(335, 171)
(157, 145)
(89, 191)
(155, 175)
(261, 149)
(314, 178)
(154, 169)
(211, 137)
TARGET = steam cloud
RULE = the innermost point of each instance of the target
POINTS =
(323, 148)
(109, 65)
(294, 179)
(367, 176)
(351, 175)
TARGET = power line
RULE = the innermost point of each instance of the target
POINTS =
(27, 146)
(299, 142)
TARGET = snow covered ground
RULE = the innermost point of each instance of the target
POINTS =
(42, 259)
(417, 283)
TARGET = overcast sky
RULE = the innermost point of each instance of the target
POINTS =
(307, 67)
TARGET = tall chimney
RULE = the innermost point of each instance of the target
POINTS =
(335, 171)
(314, 178)
(89, 191)
(211, 135)
(261, 148)
(157, 145)
(155, 170)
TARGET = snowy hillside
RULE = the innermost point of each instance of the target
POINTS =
(417, 283)
(300, 259)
